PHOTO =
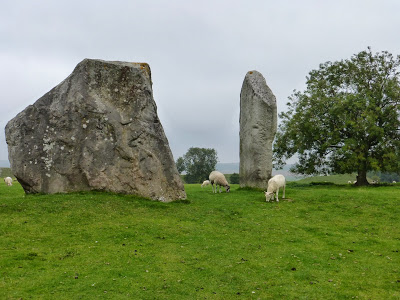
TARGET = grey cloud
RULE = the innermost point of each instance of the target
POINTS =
(199, 52)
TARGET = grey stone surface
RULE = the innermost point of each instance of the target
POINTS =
(96, 130)
(258, 125)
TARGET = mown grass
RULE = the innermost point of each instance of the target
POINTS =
(324, 242)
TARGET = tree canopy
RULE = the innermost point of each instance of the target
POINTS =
(198, 164)
(347, 119)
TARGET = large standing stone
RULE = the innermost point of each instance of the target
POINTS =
(96, 130)
(258, 124)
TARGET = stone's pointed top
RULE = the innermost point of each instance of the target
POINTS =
(137, 65)
(258, 84)
(254, 72)
(255, 76)
(114, 62)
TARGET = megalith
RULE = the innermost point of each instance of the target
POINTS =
(258, 125)
(97, 130)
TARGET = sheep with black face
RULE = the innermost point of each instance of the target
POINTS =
(219, 179)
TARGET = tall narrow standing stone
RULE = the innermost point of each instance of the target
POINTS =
(258, 124)
(96, 130)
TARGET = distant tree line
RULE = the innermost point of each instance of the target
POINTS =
(385, 177)
(5, 172)
(234, 178)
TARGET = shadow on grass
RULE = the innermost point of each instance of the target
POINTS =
(98, 195)
(329, 183)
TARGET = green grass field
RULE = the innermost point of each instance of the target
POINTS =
(323, 242)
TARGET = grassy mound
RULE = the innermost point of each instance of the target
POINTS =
(336, 179)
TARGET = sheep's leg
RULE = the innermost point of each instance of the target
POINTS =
(212, 184)
(277, 192)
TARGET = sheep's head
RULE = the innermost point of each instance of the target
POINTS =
(269, 196)
(228, 188)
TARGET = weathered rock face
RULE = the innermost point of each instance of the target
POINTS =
(96, 130)
(258, 125)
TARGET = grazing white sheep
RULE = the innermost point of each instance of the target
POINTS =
(349, 182)
(219, 179)
(8, 181)
(394, 181)
(205, 182)
(274, 184)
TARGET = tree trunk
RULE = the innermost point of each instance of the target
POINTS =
(362, 178)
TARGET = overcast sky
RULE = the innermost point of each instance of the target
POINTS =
(198, 52)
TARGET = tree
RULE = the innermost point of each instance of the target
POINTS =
(198, 164)
(180, 165)
(234, 179)
(347, 119)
